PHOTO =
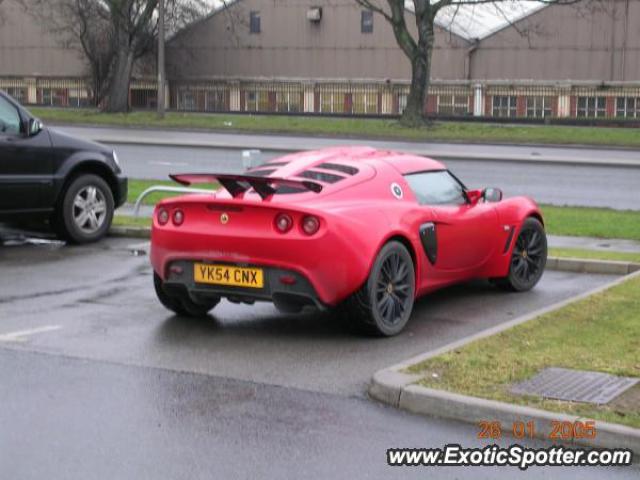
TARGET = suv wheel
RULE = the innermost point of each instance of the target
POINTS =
(85, 213)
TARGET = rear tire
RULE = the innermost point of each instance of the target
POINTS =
(182, 305)
(528, 258)
(383, 305)
(85, 212)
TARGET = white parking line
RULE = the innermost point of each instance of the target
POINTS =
(19, 336)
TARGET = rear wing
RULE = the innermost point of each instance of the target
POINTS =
(237, 185)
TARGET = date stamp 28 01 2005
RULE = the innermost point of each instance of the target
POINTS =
(555, 430)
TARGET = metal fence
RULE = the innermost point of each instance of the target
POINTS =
(503, 101)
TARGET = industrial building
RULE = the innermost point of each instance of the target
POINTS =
(533, 60)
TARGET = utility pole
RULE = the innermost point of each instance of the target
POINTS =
(161, 72)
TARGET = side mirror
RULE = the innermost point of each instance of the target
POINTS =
(492, 195)
(474, 196)
(34, 127)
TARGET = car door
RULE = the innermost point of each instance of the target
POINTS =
(25, 168)
(461, 233)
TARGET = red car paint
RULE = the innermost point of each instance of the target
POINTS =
(357, 214)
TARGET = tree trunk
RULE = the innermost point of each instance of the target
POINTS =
(412, 116)
(117, 92)
(414, 113)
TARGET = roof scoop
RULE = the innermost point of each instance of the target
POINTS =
(237, 185)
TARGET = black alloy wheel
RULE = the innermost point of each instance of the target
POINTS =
(528, 258)
(383, 305)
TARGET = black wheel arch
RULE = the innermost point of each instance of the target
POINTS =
(408, 245)
(89, 166)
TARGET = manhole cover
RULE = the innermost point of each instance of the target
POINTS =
(575, 385)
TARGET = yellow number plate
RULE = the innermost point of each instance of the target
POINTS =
(227, 275)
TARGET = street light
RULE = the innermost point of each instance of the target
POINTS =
(161, 73)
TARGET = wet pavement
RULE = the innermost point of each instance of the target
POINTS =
(97, 380)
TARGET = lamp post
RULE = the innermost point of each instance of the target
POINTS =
(161, 72)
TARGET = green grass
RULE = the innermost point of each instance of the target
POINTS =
(595, 254)
(136, 187)
(592, 222)
(600, 333)
(354, 127)
(127, 221)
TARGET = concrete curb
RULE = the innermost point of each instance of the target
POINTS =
(424, 151)
(396, 387)
(581, 265)
(130, 232)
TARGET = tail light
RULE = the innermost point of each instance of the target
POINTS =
(310, 224)
(178, 218)
(163, 216)
(283, 222)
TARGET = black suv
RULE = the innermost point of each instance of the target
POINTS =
(44, 174)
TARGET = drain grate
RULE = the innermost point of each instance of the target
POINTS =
(575, 385)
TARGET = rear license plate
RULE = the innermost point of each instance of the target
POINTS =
(228, 275)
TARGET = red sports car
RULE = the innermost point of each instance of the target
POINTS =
(366, 229)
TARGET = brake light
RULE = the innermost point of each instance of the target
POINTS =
(178, 218)
(283, 222)
(163, 216)
(310, 224)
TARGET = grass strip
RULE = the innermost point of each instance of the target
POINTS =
(600, 333)
(353, 127)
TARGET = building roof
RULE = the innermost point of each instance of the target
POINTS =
(471, 22)
(484, 19)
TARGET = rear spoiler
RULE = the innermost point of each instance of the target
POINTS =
(237, 185)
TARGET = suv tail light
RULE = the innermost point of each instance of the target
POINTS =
(310, 224)
(283, 222)
(163, 216)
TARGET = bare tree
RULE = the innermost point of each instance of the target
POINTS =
(419, 47)
(113, 35)
(1, 14)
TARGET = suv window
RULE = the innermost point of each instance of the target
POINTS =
(9, 118)
(436, 188)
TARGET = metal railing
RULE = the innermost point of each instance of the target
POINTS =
(496, 100)
(166, 189)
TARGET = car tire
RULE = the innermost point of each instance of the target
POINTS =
(382, 306)
(182, 306)
(85, 212)
(528, 258)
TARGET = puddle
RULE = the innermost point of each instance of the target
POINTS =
(22, 240)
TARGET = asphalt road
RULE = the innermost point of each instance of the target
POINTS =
(558, 184)
(97, 380)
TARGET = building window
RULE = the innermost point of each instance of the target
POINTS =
(215, 101)
(254, 22)
(592, 107)
(365, 102)
(538, 107)
(366, 21)
(288, 101)
(19, 93)
(331, 102)
(504, 106)
(628, 107)
(453, 105)
(187, 100)
(257, 101)
(402, 102)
